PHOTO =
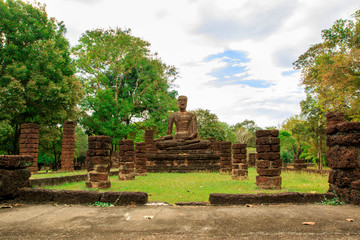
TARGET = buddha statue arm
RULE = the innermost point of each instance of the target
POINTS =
(170, 127)
(193, 127)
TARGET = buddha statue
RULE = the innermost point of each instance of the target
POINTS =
(186, 135)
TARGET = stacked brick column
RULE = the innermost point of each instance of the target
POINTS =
(268, 159)
(98, 162)
(115, 159)
(252, 159)
(239, 165)
(225, 157)
(343, 157)
(127, 160)
(140, 159)
(300, 164)
(13, 174)
(149, 141)
(29, 143)
(68, 146)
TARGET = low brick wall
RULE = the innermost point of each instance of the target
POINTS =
(30, 195)
(42, 182)
(277, 198)
(318, 171)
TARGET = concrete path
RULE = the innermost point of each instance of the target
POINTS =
(173, 222)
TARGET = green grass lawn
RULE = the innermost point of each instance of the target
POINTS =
(181, 187)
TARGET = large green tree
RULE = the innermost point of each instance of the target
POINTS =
(126, 86)
(331, 69)
(37, 82)
(245, 132)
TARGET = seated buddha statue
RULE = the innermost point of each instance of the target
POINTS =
(186, 135)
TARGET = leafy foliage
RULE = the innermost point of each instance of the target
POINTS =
(124, 84)
(37, 82)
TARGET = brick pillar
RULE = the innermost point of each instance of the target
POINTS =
(68, 147)
(239, 165)
(268, 159)
(252, 159)
(29, 143)
(115, 159)
(299, 164)
(150, 145)
(225, 157)
(334, 118)
(140, 159)
(343, 157)
(14, 174)
(127, 160)
(98, 162)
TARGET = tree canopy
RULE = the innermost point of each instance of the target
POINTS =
(37, 82)
(124, 83)
(331, 69)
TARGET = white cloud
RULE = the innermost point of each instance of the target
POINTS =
(273, 33)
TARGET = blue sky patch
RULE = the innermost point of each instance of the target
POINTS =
(288, 73)
(235, 70)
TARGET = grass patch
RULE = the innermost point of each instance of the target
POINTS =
(59, 174)
(183, 187)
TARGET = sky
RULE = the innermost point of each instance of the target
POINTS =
(234, 57)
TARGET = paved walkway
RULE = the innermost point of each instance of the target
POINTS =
(173, 222)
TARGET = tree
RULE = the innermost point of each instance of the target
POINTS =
(126, 87)
(331, 69)
(37, 82)
(209, 125)
(245, 132)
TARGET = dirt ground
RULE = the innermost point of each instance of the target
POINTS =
(173, 222)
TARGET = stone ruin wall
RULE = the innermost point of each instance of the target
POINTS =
(68, 147)
(98, 162)
(14, 174)
(300, 164)
(343, 157)
(225, 157)
(29, 143)
(239, 164)
(268, 159)
(140, 159)
(127, 160)
(252, 160)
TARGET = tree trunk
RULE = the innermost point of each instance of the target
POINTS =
(16, 140)
(320, 166)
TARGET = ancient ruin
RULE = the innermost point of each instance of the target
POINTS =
(127, 160)
(98, 162)
(14, 174)
(239, 164)
(252, 160)
(29, 143)
(268, 159)
(300, 164)
(68, 146)
(140, 159)
(225, 157)
(185, 151)
(343, 139)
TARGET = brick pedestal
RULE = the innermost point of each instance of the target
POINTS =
(29, 143)
(343, 157)
(252, 160)
(268, 159)
(98, 162)
(300, 164)
(13, 174)
(140, 159)
(225, 157)
(239, 165)
(127, 160)
(68, 147)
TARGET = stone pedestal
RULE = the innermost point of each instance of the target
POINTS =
(140, 159)
(239, 165)
(268, 159)
(29, 143)
(300, 164)
(127, 160)
(13, 174)
(225, 157)
(343, 157)
(252, 160)
(98, 162)
(68, 147)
